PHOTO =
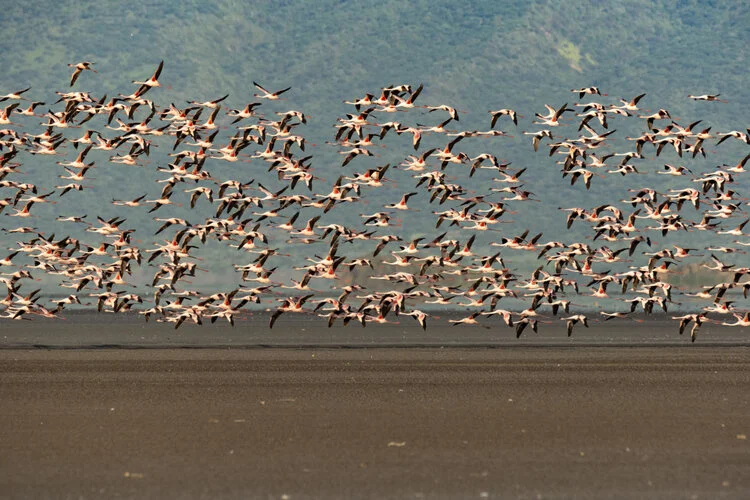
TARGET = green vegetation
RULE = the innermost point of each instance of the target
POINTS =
(571, 53)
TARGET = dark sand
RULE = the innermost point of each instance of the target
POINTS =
(583, 422)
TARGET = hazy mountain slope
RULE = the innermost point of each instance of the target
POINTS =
(515, 52)
(479, 56)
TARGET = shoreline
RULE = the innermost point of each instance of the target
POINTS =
(105, 331)
(588, 423)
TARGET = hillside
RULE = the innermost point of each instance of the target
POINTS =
(482, 56)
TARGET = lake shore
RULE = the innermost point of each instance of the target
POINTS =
(584, 422)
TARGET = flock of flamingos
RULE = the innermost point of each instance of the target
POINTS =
(258, 219)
